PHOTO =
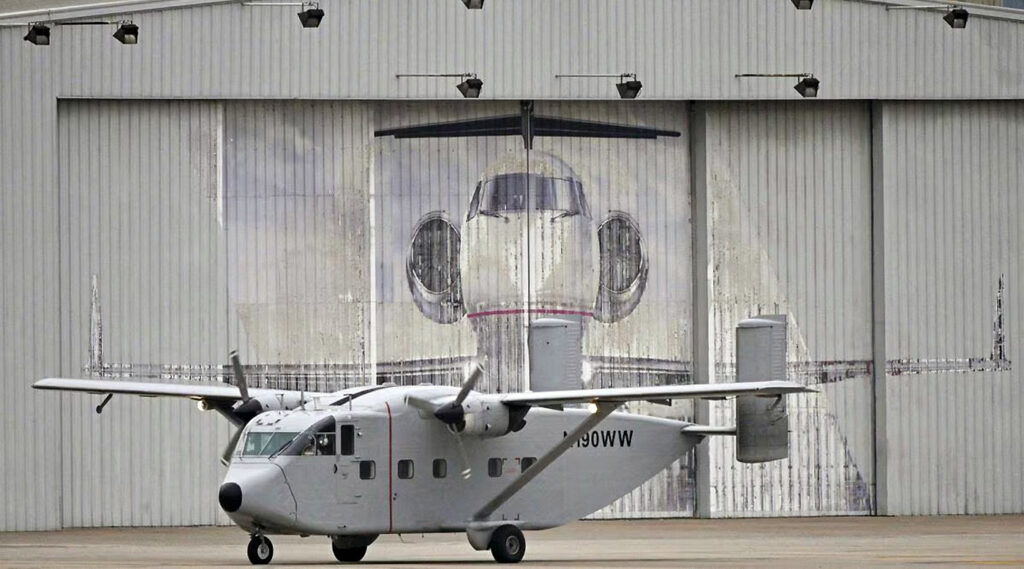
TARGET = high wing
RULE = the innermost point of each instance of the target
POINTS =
(191, 391)
(626, 394)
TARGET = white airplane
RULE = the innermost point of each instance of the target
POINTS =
(379, 459)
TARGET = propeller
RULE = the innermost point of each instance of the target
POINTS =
(244, 412)
(453, 414)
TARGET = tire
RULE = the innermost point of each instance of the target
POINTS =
(508, 544)
(260, 551)
(348, 554)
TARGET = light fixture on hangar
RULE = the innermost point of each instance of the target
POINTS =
(955, 16)
(803, 4)
(38, 34)
(310, 16)
(469, 87)
(474, 4)
(807, 86)
(627, 89)
(127, 33)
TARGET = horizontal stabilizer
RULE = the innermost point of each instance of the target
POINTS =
(708, 430)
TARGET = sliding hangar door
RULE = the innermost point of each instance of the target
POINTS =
(339, 243)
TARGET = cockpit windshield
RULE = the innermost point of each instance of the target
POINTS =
(318, 440)
(520, 191)
(264, 444)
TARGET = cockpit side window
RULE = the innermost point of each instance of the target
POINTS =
(348, 440)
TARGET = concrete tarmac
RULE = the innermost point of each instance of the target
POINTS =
(954, 541)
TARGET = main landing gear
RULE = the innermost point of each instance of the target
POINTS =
(508, 544)
(260, 550)
(348, 554)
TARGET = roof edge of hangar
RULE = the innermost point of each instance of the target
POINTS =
(100, 8)
(113, 7)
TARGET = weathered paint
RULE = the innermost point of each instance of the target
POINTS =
(953, 274)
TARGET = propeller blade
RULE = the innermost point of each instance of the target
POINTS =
(236, 366)
(421, 404)
(469, 384)
(229, 450)
(467, 471)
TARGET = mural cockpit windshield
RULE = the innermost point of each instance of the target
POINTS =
(521, 191)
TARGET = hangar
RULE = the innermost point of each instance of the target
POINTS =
(329, 201)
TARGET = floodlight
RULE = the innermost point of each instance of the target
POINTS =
(957, 18)
(470, 88)
(803, 4)
(629, 89)
(474, 4)
(127, 33)
(807, 87)
(311, 16)
(38, 34)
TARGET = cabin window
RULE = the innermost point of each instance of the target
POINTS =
(348, 440)
(367, 469)
(440, 468)
(494, 467)
(527, 462)
(405, 469)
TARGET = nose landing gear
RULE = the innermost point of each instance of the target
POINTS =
(260, 550)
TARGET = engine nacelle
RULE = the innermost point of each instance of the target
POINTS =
(278, 402)
(271, 402)
(485, 418)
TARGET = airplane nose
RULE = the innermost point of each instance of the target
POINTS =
(230, 497)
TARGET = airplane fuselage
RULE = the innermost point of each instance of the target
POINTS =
(399, 469)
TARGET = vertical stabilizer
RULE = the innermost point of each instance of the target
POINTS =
(762, 425)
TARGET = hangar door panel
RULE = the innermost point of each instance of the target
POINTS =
(609, 240)
(789, 187)
(294, 210)
(143, 289)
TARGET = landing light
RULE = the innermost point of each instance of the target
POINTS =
(592, 407)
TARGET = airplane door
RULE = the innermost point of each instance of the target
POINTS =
(361, 483)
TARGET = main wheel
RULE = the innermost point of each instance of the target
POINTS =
(348, 554)
(508, 544)
(260, 551)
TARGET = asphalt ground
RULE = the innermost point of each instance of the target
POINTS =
(951, 541)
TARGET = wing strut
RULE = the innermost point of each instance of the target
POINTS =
(603, 410)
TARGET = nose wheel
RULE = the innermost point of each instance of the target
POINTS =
(508, 544)
(260, 550)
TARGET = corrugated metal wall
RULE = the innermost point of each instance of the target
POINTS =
(680, 50)
(790, 193)
(52, 248)
(143, 285)
(953, 233)
(30, 459)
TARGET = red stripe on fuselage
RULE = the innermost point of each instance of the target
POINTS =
(530, 311)
(391, 495)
